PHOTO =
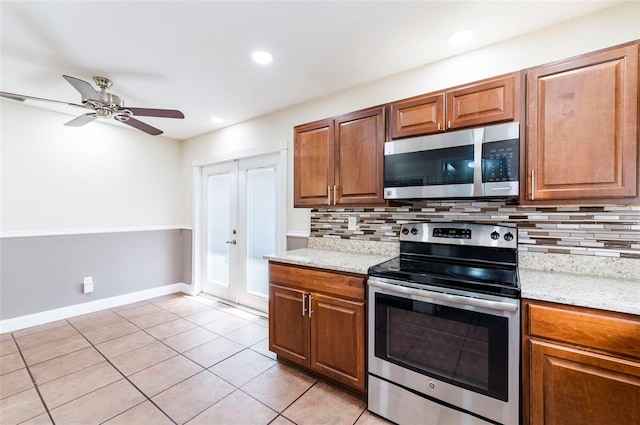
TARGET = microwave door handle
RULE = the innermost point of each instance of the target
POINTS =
(478, 139)
(457, 299)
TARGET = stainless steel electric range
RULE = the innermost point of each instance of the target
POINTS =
(444, 327)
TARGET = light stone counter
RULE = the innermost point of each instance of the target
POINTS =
(606, 283)
(605, 293)
(351, 262)
(598, 282)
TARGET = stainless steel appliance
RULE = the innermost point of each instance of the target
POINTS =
(475, 163)
(444, 327)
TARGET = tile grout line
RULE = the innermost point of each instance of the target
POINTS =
(147, 398)
(33, 381)
(187, 358)
(154, 339)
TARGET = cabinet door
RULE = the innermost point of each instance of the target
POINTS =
(482, 103)
(582, 129)
(417, 116)
(289, 324)
(359, 157)
(338, 340)
(313, 163)
(570, 386)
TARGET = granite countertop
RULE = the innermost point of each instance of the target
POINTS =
(603, 283)
(351, 262)
(605, 293)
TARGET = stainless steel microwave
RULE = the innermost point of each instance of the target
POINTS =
(475, 163)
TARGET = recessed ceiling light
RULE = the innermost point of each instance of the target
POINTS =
(460, 38)
(217, 120)
(262, 57)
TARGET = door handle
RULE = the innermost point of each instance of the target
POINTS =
(304, 309)
(310, 311)
(533, 186)
(233, 242)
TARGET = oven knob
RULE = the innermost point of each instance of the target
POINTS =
(414, 231)
(405, 231)
(508, 236)
(495, 235)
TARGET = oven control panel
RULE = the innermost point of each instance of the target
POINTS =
(461, 234)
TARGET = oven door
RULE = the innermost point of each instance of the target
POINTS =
(456, 350)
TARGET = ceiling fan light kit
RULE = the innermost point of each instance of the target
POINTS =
(104, 105)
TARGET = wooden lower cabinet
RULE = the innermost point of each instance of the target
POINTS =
(580, 366)
(317, 320)
(288, 327)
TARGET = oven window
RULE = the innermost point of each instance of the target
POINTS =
(464, 348)
(429, 168)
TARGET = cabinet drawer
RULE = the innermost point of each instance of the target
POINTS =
(344, 285)
(599, 330)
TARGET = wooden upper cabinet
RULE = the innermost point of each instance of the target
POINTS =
(339, 161)
(359, 157)
(313, 163)
(582, 129)
(418, 115)
(481, 103)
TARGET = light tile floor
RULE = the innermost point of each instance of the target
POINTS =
(169, 360)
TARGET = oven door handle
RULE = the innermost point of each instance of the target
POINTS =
(476, 302)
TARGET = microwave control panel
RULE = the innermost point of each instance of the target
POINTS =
(500, 161)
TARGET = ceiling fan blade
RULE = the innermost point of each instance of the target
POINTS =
(162, 113)
(22, 98)
(86, 90)
(81, 120)
(140, 125)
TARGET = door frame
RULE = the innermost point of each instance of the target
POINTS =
(281, 201)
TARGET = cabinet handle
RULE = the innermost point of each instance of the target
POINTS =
(304, 309)
(335, 196)
(448, 124)
(328, 195)
(438, 126)
(310, 311)
(533, 186)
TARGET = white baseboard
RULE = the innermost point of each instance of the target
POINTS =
(17, 323)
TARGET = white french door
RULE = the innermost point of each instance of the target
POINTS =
(241, 223)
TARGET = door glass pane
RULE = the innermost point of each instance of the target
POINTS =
(261, 235)
(219, 207)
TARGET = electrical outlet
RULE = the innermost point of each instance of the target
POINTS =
(352, 223)
(87, 286)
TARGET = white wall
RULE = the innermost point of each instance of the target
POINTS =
(612, 26)
(100, 176)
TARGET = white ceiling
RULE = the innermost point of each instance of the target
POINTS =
(195, 55)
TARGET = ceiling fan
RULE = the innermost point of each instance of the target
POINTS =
(104, 105)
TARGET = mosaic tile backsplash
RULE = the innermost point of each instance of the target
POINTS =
(609, 231)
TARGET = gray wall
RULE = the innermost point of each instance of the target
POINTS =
(44, 273)
(187, 256)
